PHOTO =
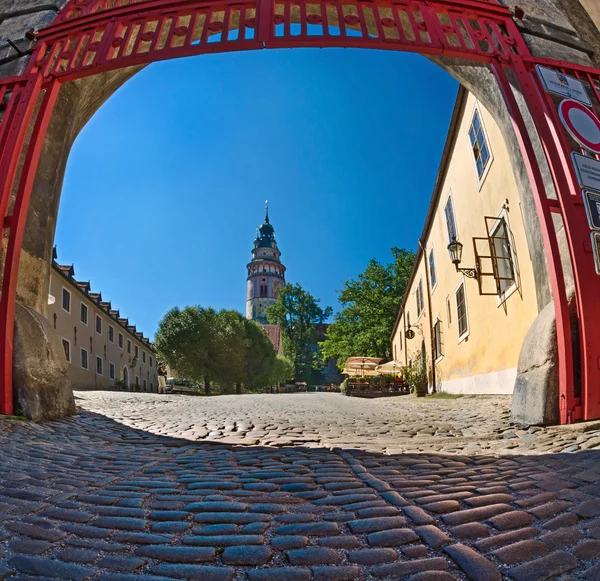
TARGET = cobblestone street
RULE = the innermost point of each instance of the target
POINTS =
(297, 488)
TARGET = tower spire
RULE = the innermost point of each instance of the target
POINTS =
(267, 211)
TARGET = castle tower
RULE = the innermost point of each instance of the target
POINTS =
(266, 274)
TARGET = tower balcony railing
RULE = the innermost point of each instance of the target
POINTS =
(275, 274)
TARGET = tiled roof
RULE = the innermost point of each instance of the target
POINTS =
(68, 272)
(274, 334)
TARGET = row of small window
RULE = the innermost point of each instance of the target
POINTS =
(83, 317)
(461, 319)
(99, 363)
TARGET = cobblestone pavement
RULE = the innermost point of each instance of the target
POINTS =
(93, 498)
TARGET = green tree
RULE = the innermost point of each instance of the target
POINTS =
(369, 308)
(187, 341)
(223, 347)
(297, 311)
(283, 370)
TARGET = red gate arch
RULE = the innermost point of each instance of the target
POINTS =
(93, 36)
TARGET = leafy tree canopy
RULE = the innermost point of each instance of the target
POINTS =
(297, 311)
(369, 308)
(223, 346)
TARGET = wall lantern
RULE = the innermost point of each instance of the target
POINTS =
(455, 249)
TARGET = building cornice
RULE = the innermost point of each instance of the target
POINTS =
(83, 288)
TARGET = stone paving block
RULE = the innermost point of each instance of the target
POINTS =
(280, 574)
(194, 572)
(415, 551)
(216, 507)
(120, 523)
(588, 509)
(442, 506)
(520, 551)
(121, 563)
(224, 540)
(561, 538)
(216, 529)
(309, 529)
(43, 566)
(343, 573)
(340, 542)
(475, 565)
(504, 539)
(369, 525)
(592, 573)
(177, 554)
(29, 546)
(562, 520)
(141, 538)
(545, 567)
(230, 517)
(549, 509)
(471, 531)
(587, 550)
(433, 536)
(246, 555)
(43, 533)
(487, 499)
(511, 520)
(475, 514)
(313, 556)
(77, 516)
(372, 556)
(432, 576)
(83, 556)
(378, 511)
(392, 537)
(289, 542)
(399, 570)
(169, 527)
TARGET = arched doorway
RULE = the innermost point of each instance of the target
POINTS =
(100, 37)
(126, 378)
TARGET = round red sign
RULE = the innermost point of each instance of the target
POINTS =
(581, 123)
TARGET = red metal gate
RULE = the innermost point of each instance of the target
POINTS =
(93, 36)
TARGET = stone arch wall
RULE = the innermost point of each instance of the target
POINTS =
(556, 29)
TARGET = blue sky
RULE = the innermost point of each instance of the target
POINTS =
(165, 186)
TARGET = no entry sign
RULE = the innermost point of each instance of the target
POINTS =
(581, 123)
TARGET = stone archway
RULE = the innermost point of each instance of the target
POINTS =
(551, 29)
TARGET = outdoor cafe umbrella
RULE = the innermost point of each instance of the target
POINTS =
(390, 367)
(363, 366)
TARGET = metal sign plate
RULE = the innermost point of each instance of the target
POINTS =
(588, 171)
(563, 85)
(581, 123)
(596, 248)
(592, 208)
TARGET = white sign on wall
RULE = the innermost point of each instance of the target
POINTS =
(563, 85)
(588, 171)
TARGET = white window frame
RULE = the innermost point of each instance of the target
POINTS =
(101, 372)
(121, 341)
(480, 180)
(462, 337)
(136, 351)
(451, 198)
(420, 284)
(428, 265)
(70, 357)
(513, 257)
(109, 333)
(65, 289)
(87, 314)
(436, 321)
(87, 359)
(112, 367)
(143, 356)
(98, 318)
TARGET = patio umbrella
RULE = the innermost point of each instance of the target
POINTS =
(389, 367)
(361, 365)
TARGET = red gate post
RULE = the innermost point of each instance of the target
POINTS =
(545, 207)
(16, 221)
(571, 208)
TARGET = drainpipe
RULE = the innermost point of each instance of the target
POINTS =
(426, 263)
(405, 343)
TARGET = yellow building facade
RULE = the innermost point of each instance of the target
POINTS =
(471, 329)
